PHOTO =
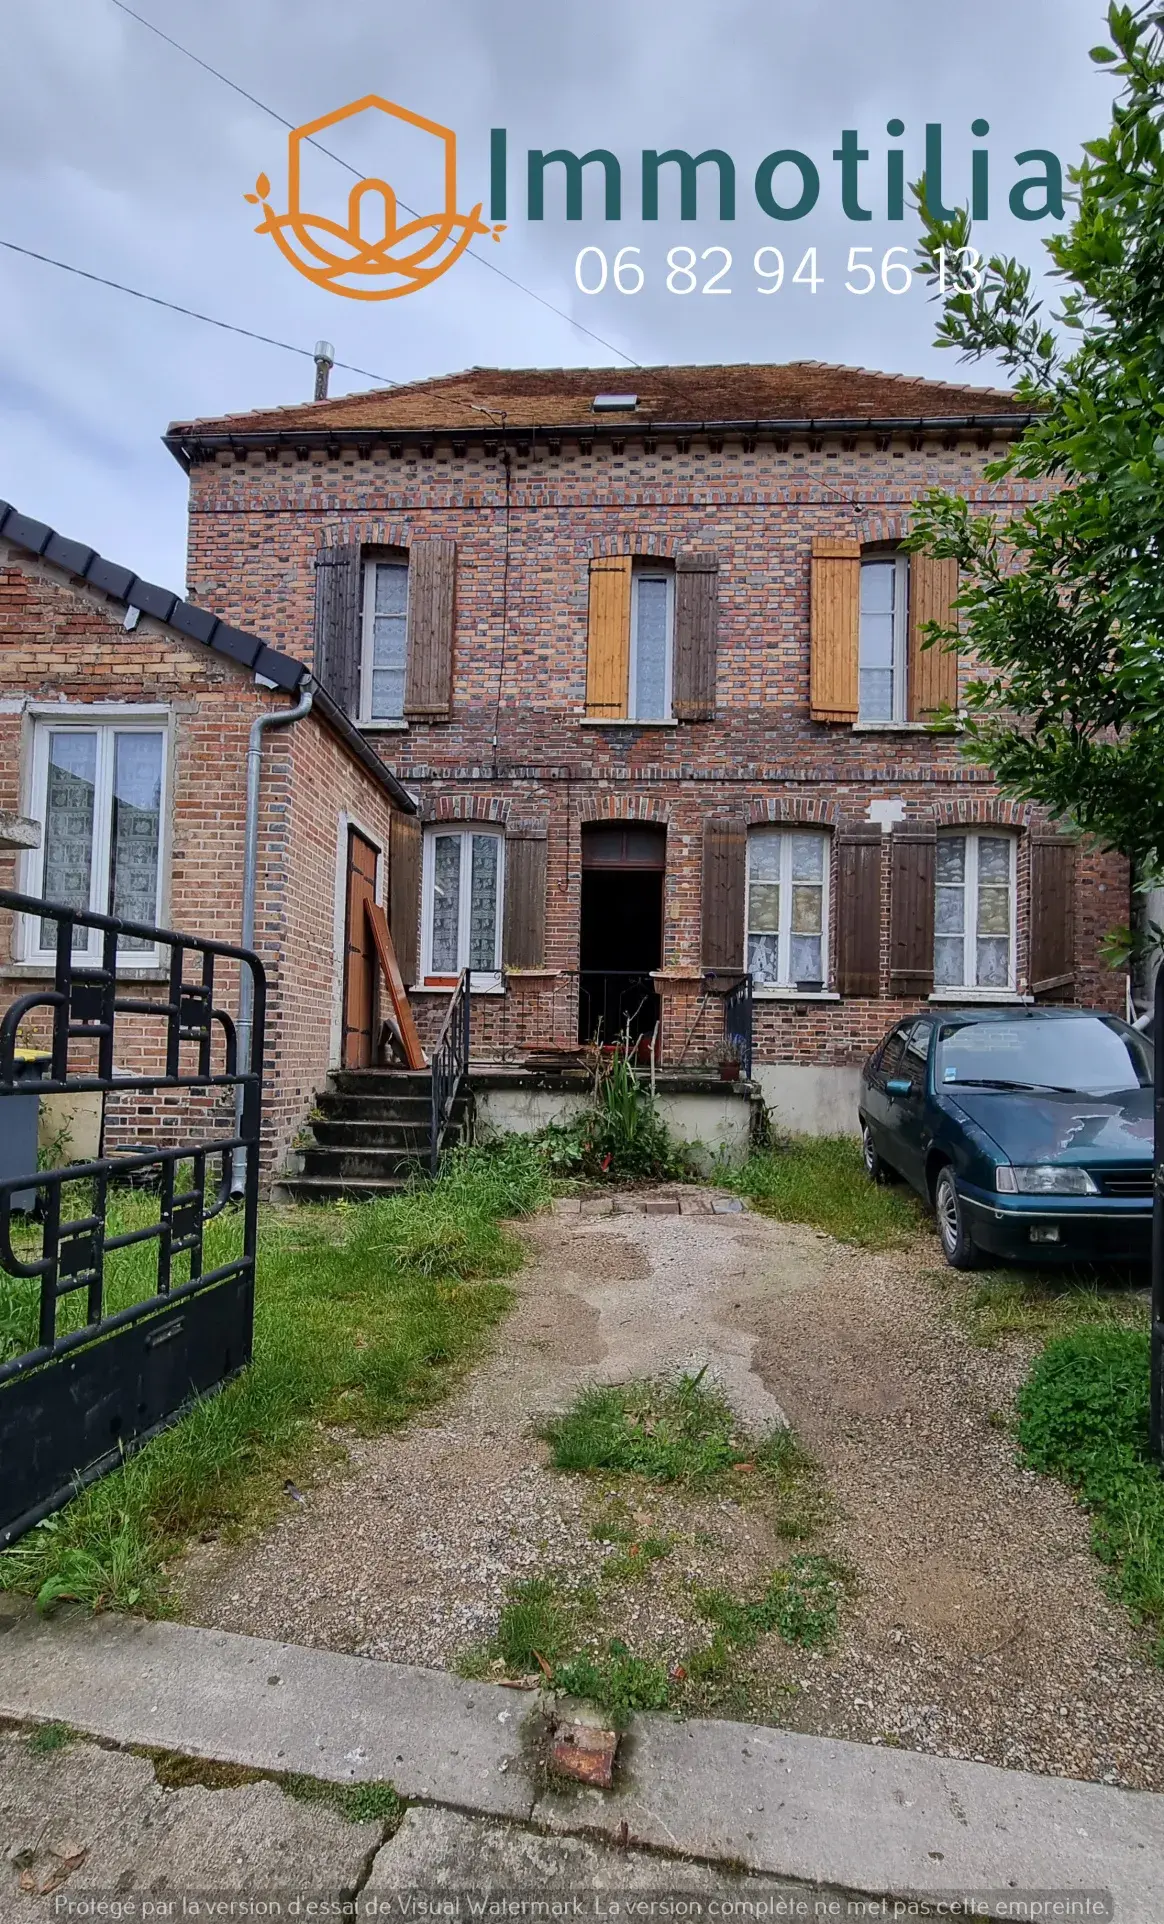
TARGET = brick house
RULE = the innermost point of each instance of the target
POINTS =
(125, 718)
(647, 650)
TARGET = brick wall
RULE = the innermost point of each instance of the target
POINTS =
(518, 747)
(63, 643)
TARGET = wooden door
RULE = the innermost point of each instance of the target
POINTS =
(359, 956)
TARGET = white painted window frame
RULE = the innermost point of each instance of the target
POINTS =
(785, 832)
(367, 618)
(481, 979)
(105, 720)
(965, 991)
(638, 575)
(900, 640)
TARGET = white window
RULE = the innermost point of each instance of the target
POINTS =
(652, 625)
(384, 656)
(883, 638)
(463, 879)
(787, 907)
(974, 912)
(97, 792)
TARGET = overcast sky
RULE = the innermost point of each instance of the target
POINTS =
(120, 155)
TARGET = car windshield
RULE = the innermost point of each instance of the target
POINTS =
(1088, 1056)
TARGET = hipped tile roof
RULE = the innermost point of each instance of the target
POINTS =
(527, 398)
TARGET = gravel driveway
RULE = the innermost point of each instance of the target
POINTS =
(978, 1628)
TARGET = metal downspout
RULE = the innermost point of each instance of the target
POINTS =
(274, 718)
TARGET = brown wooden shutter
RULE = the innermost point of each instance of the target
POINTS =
(432, 573)
(932, 674)
(836, 616)
(1052, 913)
(404, 852)
(859, 910)
(913, 852)
(336, 661)
(725, 854)
(696, 618)
(524, 945)
(608, 636)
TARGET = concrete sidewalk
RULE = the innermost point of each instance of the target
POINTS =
(815, 1810)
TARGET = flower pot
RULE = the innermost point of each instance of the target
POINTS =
(729, 1071)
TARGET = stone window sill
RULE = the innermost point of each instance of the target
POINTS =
(623, 721)
(981, 998)
(795, 995)
(382, 727)
(907, 728)
(44, 972)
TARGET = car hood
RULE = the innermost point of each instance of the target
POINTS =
(1053, 1128)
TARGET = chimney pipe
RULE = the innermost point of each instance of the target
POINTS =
(324, 362)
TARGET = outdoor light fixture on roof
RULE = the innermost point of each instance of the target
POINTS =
(614, 403)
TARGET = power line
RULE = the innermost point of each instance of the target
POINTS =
(481, 259)
(191, 313)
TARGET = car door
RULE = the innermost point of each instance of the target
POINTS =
(880, 1106)
(911, 1113)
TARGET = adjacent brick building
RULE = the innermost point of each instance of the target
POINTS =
(125, 715)
(646, 649)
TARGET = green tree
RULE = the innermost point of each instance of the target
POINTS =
(1062, 604)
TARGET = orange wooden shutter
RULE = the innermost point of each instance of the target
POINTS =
(933, 672)
(836, 606)
(608, 635)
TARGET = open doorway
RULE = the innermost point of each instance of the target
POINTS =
(622, 931)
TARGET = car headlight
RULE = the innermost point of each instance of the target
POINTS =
(1043, 1179)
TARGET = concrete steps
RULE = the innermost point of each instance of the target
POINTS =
(370, 1137)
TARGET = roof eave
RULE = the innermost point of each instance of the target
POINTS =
(187, 441)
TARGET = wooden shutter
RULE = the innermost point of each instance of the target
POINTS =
(725, 854)
(932, 673)
(404, 850)
(608, 635)
(1052, 913)
(696, 617)
(336, 661)
(859, 910)
(836, 615)
(913, 853)
(432, 573)
(524, 943)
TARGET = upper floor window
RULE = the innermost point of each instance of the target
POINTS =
(974, 914)
(652, 628)
(384, 655)
(787, 907)
(883, 638)
(97, 791)
(462, 896)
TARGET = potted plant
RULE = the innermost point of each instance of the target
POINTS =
(729, 1060)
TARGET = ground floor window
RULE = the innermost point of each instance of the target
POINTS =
(463, 879)
(97, 792)
(974, 920)
(787, 907)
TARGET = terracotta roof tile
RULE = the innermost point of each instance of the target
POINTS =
(562, 397)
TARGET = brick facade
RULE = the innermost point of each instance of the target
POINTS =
(528, 510)
(65, 649)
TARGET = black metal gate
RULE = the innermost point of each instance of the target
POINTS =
(114, 1312)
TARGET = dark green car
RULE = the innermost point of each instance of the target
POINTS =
(1027, 1131)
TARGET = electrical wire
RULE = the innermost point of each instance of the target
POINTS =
(191, 313)
(472, 254)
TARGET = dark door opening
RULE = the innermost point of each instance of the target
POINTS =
(621, 933)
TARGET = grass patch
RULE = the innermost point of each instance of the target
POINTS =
(370, 1803)
(47, 1738)
(1083, 1416)
(802, 1602)
(1044, 1303)
(616, 1681)
(821, 1180)
(364, 1314)
(669, 1429)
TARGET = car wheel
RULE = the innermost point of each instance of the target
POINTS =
(875, 1169)
(958, 1245)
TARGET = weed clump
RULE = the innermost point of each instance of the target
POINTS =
(620, 1136)
(668, 1429)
